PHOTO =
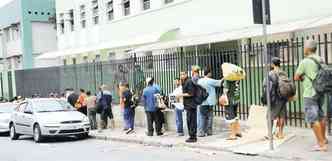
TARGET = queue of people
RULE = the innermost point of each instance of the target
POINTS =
(199, 116)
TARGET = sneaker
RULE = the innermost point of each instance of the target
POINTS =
(129, 131)
(201, 135)
(160, 134)
(191, 140)
(125, 129)
(180, 134)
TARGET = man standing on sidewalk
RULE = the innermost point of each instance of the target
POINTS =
(278, 103)
(206, 108)
(313, 102)
(177, 103)
(106, 103)
(150, 106)
(129, 112)
(90, 102)
(188, 89)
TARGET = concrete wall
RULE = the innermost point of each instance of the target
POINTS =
(43, 37)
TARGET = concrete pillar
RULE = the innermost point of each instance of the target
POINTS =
(118, 9)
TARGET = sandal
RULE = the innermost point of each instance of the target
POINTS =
(239, 135)
(231, 138)
(318, 148)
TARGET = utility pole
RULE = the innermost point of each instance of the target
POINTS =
(261, 10)
(267, 70)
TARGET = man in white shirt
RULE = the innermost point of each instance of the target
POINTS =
(177, 103)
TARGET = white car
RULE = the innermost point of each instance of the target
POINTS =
(42, 118)
(5, 112)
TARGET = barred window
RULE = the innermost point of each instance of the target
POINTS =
(109, 10)
(126, 7)
(146, 4)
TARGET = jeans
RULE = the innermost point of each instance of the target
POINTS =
(198, 116)
(92, 112)
(192, 122)
(206, 120)
(179, 121)
(129, 117)
(153, 117)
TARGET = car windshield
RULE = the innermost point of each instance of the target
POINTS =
(7, 108)
(52, 106)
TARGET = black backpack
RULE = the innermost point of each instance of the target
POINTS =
(200, 94)
(323, 81)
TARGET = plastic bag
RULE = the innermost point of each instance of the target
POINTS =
(232, 72)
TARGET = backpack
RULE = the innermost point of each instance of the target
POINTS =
(286, 87)
(200, 94)
(322, 83)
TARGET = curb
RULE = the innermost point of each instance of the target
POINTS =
(194, 146)
(159, 144)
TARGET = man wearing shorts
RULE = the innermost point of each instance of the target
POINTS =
(314, 115)
(278, 103)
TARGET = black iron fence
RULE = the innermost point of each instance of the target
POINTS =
(166, 65)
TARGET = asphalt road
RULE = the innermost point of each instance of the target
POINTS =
(71, 149)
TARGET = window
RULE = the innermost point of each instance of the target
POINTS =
(71, 20)
(95, 12)
(126, 7)
(82, 16)
(28, 108)
(109, 10)
(168, 1)
(111, 56)
(85, 59)
(61, 23)
(97, 58)
(21, 107)
(146, 4)
(74, 61)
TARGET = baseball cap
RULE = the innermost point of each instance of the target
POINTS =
(310, 44)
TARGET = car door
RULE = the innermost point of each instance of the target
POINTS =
(18, 118)
(28, 119)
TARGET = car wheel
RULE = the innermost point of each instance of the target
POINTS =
(12, 133)
(37, 136)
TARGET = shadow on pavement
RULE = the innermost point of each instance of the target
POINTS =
(55, 139)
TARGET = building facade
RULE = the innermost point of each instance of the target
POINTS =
(27, 29)
(93, 30)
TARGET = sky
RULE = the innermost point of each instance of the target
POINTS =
(3, 2)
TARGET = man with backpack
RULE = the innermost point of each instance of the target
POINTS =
(308, 73)
(129, 111)
(281, 89)
(206, 108)
(105, 103)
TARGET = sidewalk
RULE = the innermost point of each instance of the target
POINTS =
(297, 145)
